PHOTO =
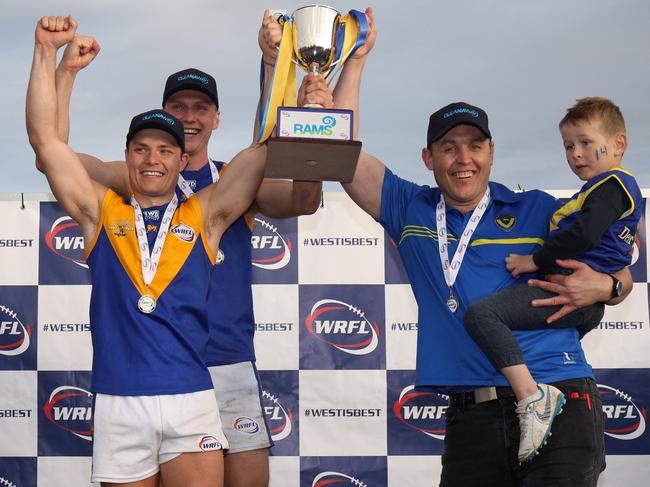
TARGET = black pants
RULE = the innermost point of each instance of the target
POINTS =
(489, 321)
(482, 440)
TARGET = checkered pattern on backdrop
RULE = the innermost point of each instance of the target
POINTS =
(335, 341)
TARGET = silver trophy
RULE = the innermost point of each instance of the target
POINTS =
(314, 144)
(314, 37)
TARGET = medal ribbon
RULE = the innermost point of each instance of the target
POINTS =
(451, 269)
(350, 33)
(185, 186)
(148, 261)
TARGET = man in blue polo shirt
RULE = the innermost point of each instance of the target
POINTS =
(453, 241)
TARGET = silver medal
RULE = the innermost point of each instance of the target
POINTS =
(452, 303)
(220, 257)
(146, 303)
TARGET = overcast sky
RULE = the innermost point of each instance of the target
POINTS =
(523, 61)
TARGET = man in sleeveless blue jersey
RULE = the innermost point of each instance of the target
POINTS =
(191, 95)
(453, 248)
(156, 417)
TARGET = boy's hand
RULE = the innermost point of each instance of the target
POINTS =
(55, 31)
(520, 264)
(79, 53)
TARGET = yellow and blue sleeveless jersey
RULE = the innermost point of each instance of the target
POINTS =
(230, 300)
(513, 222)
(615, 249)
(162, 352)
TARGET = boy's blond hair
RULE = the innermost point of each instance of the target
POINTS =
(596, 108)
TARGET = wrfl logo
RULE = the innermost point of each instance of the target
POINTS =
(14, 335)
(325, 128)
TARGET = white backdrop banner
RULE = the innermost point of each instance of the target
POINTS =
(335, 340)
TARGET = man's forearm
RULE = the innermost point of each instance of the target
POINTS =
(346, 92)
(64, 83)
(41, 106)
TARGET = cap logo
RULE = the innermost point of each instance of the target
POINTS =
(457, 111)
(158, 115)
(194, 77)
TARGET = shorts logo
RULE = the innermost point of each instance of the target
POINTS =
(66, 241)
(324, 479)
(422, 411)
(279, 419)
(506, 222)
(270, 250)
(246, 425)
(624, 419)
(183, 232)
(209, 443)
(69, 408)
(345, 321)
(14, 336)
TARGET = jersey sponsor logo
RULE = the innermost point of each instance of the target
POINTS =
(506, 221)
(423, 411)
(271, 250)
(151, 214)
(325, 479)
(66, 240)
(627, 236)
(343, 326)
(209, 443)
(183, 232)
(246, 425)
(279, 418)
(70, 408)
(121, 226)
(15, 336)
(624, 419)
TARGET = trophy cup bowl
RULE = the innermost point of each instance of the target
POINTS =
(314, 45)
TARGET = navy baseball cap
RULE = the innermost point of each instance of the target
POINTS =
(454, 114)
(191, 79)
(157, 119)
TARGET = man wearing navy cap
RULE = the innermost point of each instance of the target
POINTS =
(453, 247)
(191, 95)
(155, 414)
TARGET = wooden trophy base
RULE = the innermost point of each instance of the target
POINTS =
(304, 159)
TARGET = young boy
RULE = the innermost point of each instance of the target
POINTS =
(596, 226)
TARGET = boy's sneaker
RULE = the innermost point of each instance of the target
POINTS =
(536, 416)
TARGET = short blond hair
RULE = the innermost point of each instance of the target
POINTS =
(596, 108)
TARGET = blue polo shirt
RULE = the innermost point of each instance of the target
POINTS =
(513, 222)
